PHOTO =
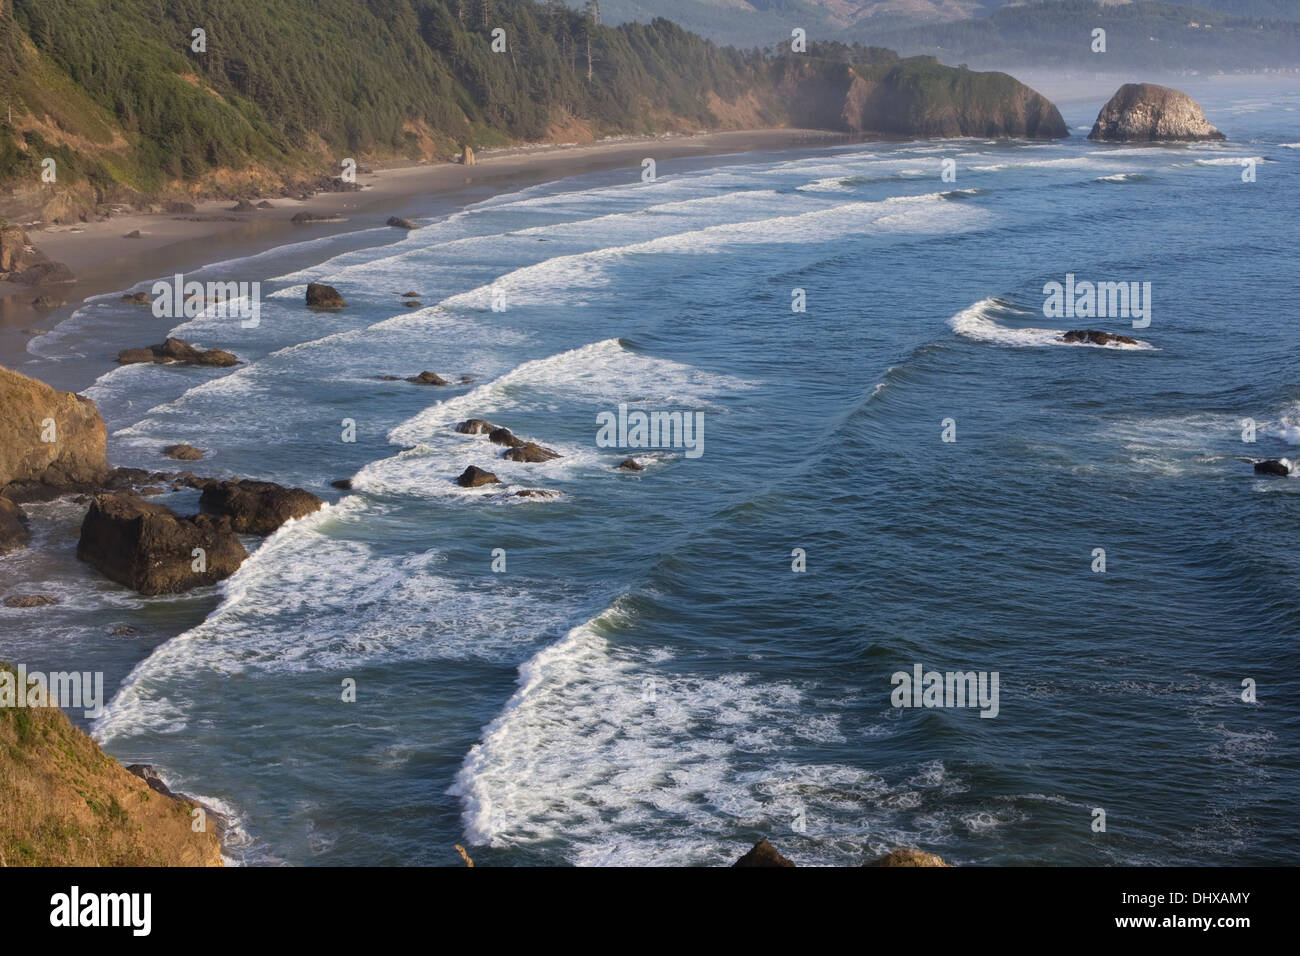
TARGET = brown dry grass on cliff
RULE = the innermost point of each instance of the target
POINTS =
(64, 802)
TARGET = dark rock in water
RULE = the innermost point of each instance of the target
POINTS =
(150, 491)
(265, 205)
(631, 464)
(133, 234)
(428, 378)
(1272, 467)
(473, 476)
(1147, 113)
(257, 507)
(1095, 337)
(321, 296)
(401, 223)
(476, 426)
(176, 350)
(307, 217)
(136, 298)
(763, 854)
(123, 479)
(530, 452)
(183, 452)
(504, 436)
(14, 533)
(122, 630)
(908, 858)
(146, 773)
(150, 548)
(466, 380)
(343, 484)
(30, 600)
(410, 295)
(413, 304)
(537, 493)
(46, 302)
(390, 378)
(242, 206)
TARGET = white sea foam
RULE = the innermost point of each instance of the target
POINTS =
(978, 322)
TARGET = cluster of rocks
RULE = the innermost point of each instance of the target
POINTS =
(516, 449)
(764, 854)
(56, 446)
(180, 352)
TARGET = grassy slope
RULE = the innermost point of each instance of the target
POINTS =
(64, 802)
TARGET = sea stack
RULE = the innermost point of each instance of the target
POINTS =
(1147, 113)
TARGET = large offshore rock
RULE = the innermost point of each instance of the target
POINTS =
(1147, 113)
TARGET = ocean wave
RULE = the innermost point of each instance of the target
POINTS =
(979, 322)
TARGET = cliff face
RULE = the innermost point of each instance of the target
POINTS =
(916, 97)
(51, 438)
(64, 802)
(1147, 113)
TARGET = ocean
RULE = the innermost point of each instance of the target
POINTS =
(634, 672)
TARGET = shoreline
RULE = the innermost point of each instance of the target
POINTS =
(104, 261)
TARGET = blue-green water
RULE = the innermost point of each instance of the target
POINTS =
(648, 681)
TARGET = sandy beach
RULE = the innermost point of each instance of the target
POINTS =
(103, 260)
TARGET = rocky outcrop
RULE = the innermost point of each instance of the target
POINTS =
(183, 452)
(473, 477)
(631, 464)
(30, 600)
(257, 507)
(467, 157)
(917, 96)
(153, 550)
(908, 858)
(504, 436)
(22, 262)
(1094, 337)
(476, 426)
(763, 853)
(428, 378)
(1273, 466)
(400, 223)
(50, 438)
(14, 534)
(179, 352)
(321, 296)
(530, 452)
(1147, 113)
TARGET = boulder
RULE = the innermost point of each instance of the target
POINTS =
(146, 773)
(504, 436)
(428, 378)
(21, 262)
(530, 452)
(1273, 466)
(242, 206)
(537, 493)
(413, 304)
(476, 426)
(14, 533)
(151, 549)
(400, 223)
(178, 351)
(1094, 337)
(133, 234)
(30, 600)
(343, 484)
(1147, 113)
(763, 853)
(183, 452)
(631, 464)
(136, 298)
(466, 380)
(473, 477)
(410, 295)
(257, 507)
(908, 858)
(31, 411)
(265, 205)
(320, 296)
(122, 630)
